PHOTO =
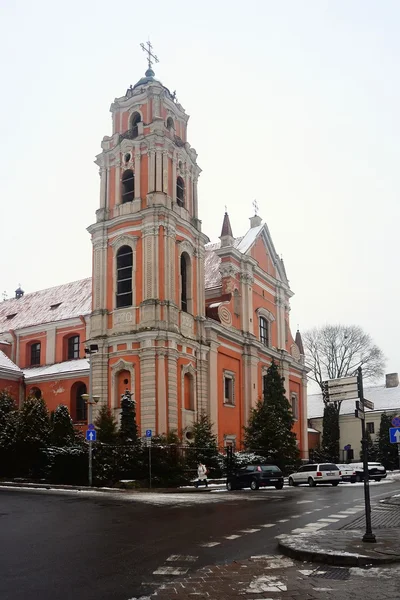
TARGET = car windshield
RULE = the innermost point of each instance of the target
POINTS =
(328, 467)
(270, 468)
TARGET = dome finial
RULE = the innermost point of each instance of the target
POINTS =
(150, 58)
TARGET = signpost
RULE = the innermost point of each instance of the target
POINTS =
(149, 434)
(394, 434)
(90, 435)
(347, 388)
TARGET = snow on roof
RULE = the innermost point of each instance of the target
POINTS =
(45, 306)
(383, 398)
(311, 430)
(6, 364)
(69, 366)
(249, 239)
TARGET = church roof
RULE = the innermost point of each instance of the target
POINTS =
(45, 306)
(80, 366)
(212, 263)
(7, 365)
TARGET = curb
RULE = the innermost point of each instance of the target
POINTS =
(71, 488)
(335, 559)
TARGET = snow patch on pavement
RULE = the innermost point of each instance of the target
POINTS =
(266, 583)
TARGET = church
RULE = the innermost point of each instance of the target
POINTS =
(184, 324)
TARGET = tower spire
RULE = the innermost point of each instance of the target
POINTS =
(226, 236)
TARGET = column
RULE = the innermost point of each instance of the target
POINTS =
(51, 346)
(250, 368)
(152, 164)
(195, 205)
(117, 184)
(174, 159)
(137, 172)
(165, 171)
(150, 262)
(103, 184)
(213, 385)
(188, 198)
(159, 172)
(147, 389)
(172, 388)
(169, 263)
(161, 392)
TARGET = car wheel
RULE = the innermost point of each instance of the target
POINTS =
(291, 482)
(311, 482)
(358, 478)
(279, 486)
(229, 486)
(335, 483)
(377, 478)
(254, 485)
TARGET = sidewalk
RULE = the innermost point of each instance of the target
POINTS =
(281, 578)
(118, 490)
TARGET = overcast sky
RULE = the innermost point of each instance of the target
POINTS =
(294, 103)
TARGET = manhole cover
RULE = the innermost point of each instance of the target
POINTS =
(332, 573)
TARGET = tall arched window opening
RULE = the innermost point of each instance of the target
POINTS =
(128, 186)
(170, 123)
(124, 276)
(264, 331)
(135, 120)
(188, 390)
(73, 347)
(180, 192)
(186, 283)
(80, 403)
(35, 354)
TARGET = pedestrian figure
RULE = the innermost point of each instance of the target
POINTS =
(201, 475)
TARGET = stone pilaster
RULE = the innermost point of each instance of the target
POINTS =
(150, 261)
(100, 377)
(159, 171)
(247, 302)
(161, 392)
(174, 160)
(147, 389)
(118, 184)
(165, 172)
(169, 263)
(103, 189)
(172, 389)
(137, 172)
(213, 385)
(51, 346)
(251, 392)
(202, 381)
(152, 163)
(304, 421)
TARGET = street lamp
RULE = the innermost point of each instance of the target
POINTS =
(90, 399)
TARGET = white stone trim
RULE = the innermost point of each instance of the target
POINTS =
(264, 312)
(226, 374)
(121, 365)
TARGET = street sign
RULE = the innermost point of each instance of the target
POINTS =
(347, 447)
(148, 433)
(341, 382)
(394, 433)
(148, 441)
(359, 414)
(343, 395)
(369, 404)
(396, 421)
(337, 390)
(91, 435)
(90, 426)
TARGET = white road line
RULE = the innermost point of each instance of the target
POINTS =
(305, 502)
(295, 516)
(171, 571)
(181, 557)
(249, 530)
(268, 525)
(232, 537)
(329, 520)
(300, 530)
(316, 525)
(308, 512)
(317, 509)
(339, 516)
(328, 506)
(209, 544)
(283, 520)
(350, 511)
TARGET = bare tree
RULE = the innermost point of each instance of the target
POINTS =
(335, 351)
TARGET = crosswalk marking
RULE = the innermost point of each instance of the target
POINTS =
(329, 520)
(232, 537)
(171, 571)
(268, 525)
(283, 520)
(180, 557)
(249, 530)
(210, 544)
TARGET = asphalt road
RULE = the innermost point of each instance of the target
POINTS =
(60, 546)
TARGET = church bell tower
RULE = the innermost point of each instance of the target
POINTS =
(148, 261)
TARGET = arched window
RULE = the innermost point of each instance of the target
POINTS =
(185, 283)
(170, 123)
(35, 354)
(80, 403)
(35, 392)
(188, 390)
(124, 276)
(135, 120)
(180, 192)
(128, 186)
(73, 347)
(264, 331)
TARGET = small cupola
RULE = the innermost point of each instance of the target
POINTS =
(19, 292)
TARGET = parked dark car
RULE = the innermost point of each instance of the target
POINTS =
(254, 477)
(376, 471)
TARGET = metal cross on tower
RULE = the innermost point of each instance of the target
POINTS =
(149, 53)
(255, 205)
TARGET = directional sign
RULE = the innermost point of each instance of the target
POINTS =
(91, 435)
(342, 381)
(148, 441)
(394, 433)
(90, 426)
(396, 421)
(343, 395)
(369, 404)
(148, 433)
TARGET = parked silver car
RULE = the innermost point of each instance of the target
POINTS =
(314, 474)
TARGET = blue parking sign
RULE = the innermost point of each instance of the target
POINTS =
(148, 433)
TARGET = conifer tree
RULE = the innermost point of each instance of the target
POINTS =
(32, 434)
(62, 428)
(106, 426)
(128, 432)
(8, 422)
(386, 451)
(331, 433)
(269, 432)
(203, 446)
(7, 406)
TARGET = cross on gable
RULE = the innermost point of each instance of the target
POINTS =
(255, 205)
(149, 53)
